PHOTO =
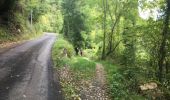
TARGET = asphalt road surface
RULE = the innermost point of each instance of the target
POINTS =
(26, 71)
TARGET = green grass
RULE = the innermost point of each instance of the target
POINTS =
(57, 52)
(6, 36)
(110, 68)
(83, 68)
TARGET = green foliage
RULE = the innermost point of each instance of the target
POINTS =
(46, 16)
(131, 41)
(3, 35)
(121, 83)
(73, 22)
(58, 56)
(91, 53)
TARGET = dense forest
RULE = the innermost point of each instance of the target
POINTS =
(132, 37)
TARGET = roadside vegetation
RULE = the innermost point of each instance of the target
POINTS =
(73, 70)
(132, 48)
(24, 19)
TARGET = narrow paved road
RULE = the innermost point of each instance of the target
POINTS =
(26, 71)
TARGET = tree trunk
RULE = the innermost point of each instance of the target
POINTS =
(112, 32)
(104, 28)
(162, 50)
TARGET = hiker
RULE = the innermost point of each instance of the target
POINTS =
(76, 50)
(81, 52)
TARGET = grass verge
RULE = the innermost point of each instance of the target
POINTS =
(73, 70)
(8, 40)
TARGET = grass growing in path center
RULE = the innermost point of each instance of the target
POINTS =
(83, 68)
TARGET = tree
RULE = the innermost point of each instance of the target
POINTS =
(104, 27)
(162, 50)
(73, 22)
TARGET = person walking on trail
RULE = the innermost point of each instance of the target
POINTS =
(81, 52)
(76, 50)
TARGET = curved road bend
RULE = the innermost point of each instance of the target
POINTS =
(26, 71)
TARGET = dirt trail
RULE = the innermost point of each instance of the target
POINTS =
(100, 75)
(26, 71)
(97, 87)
